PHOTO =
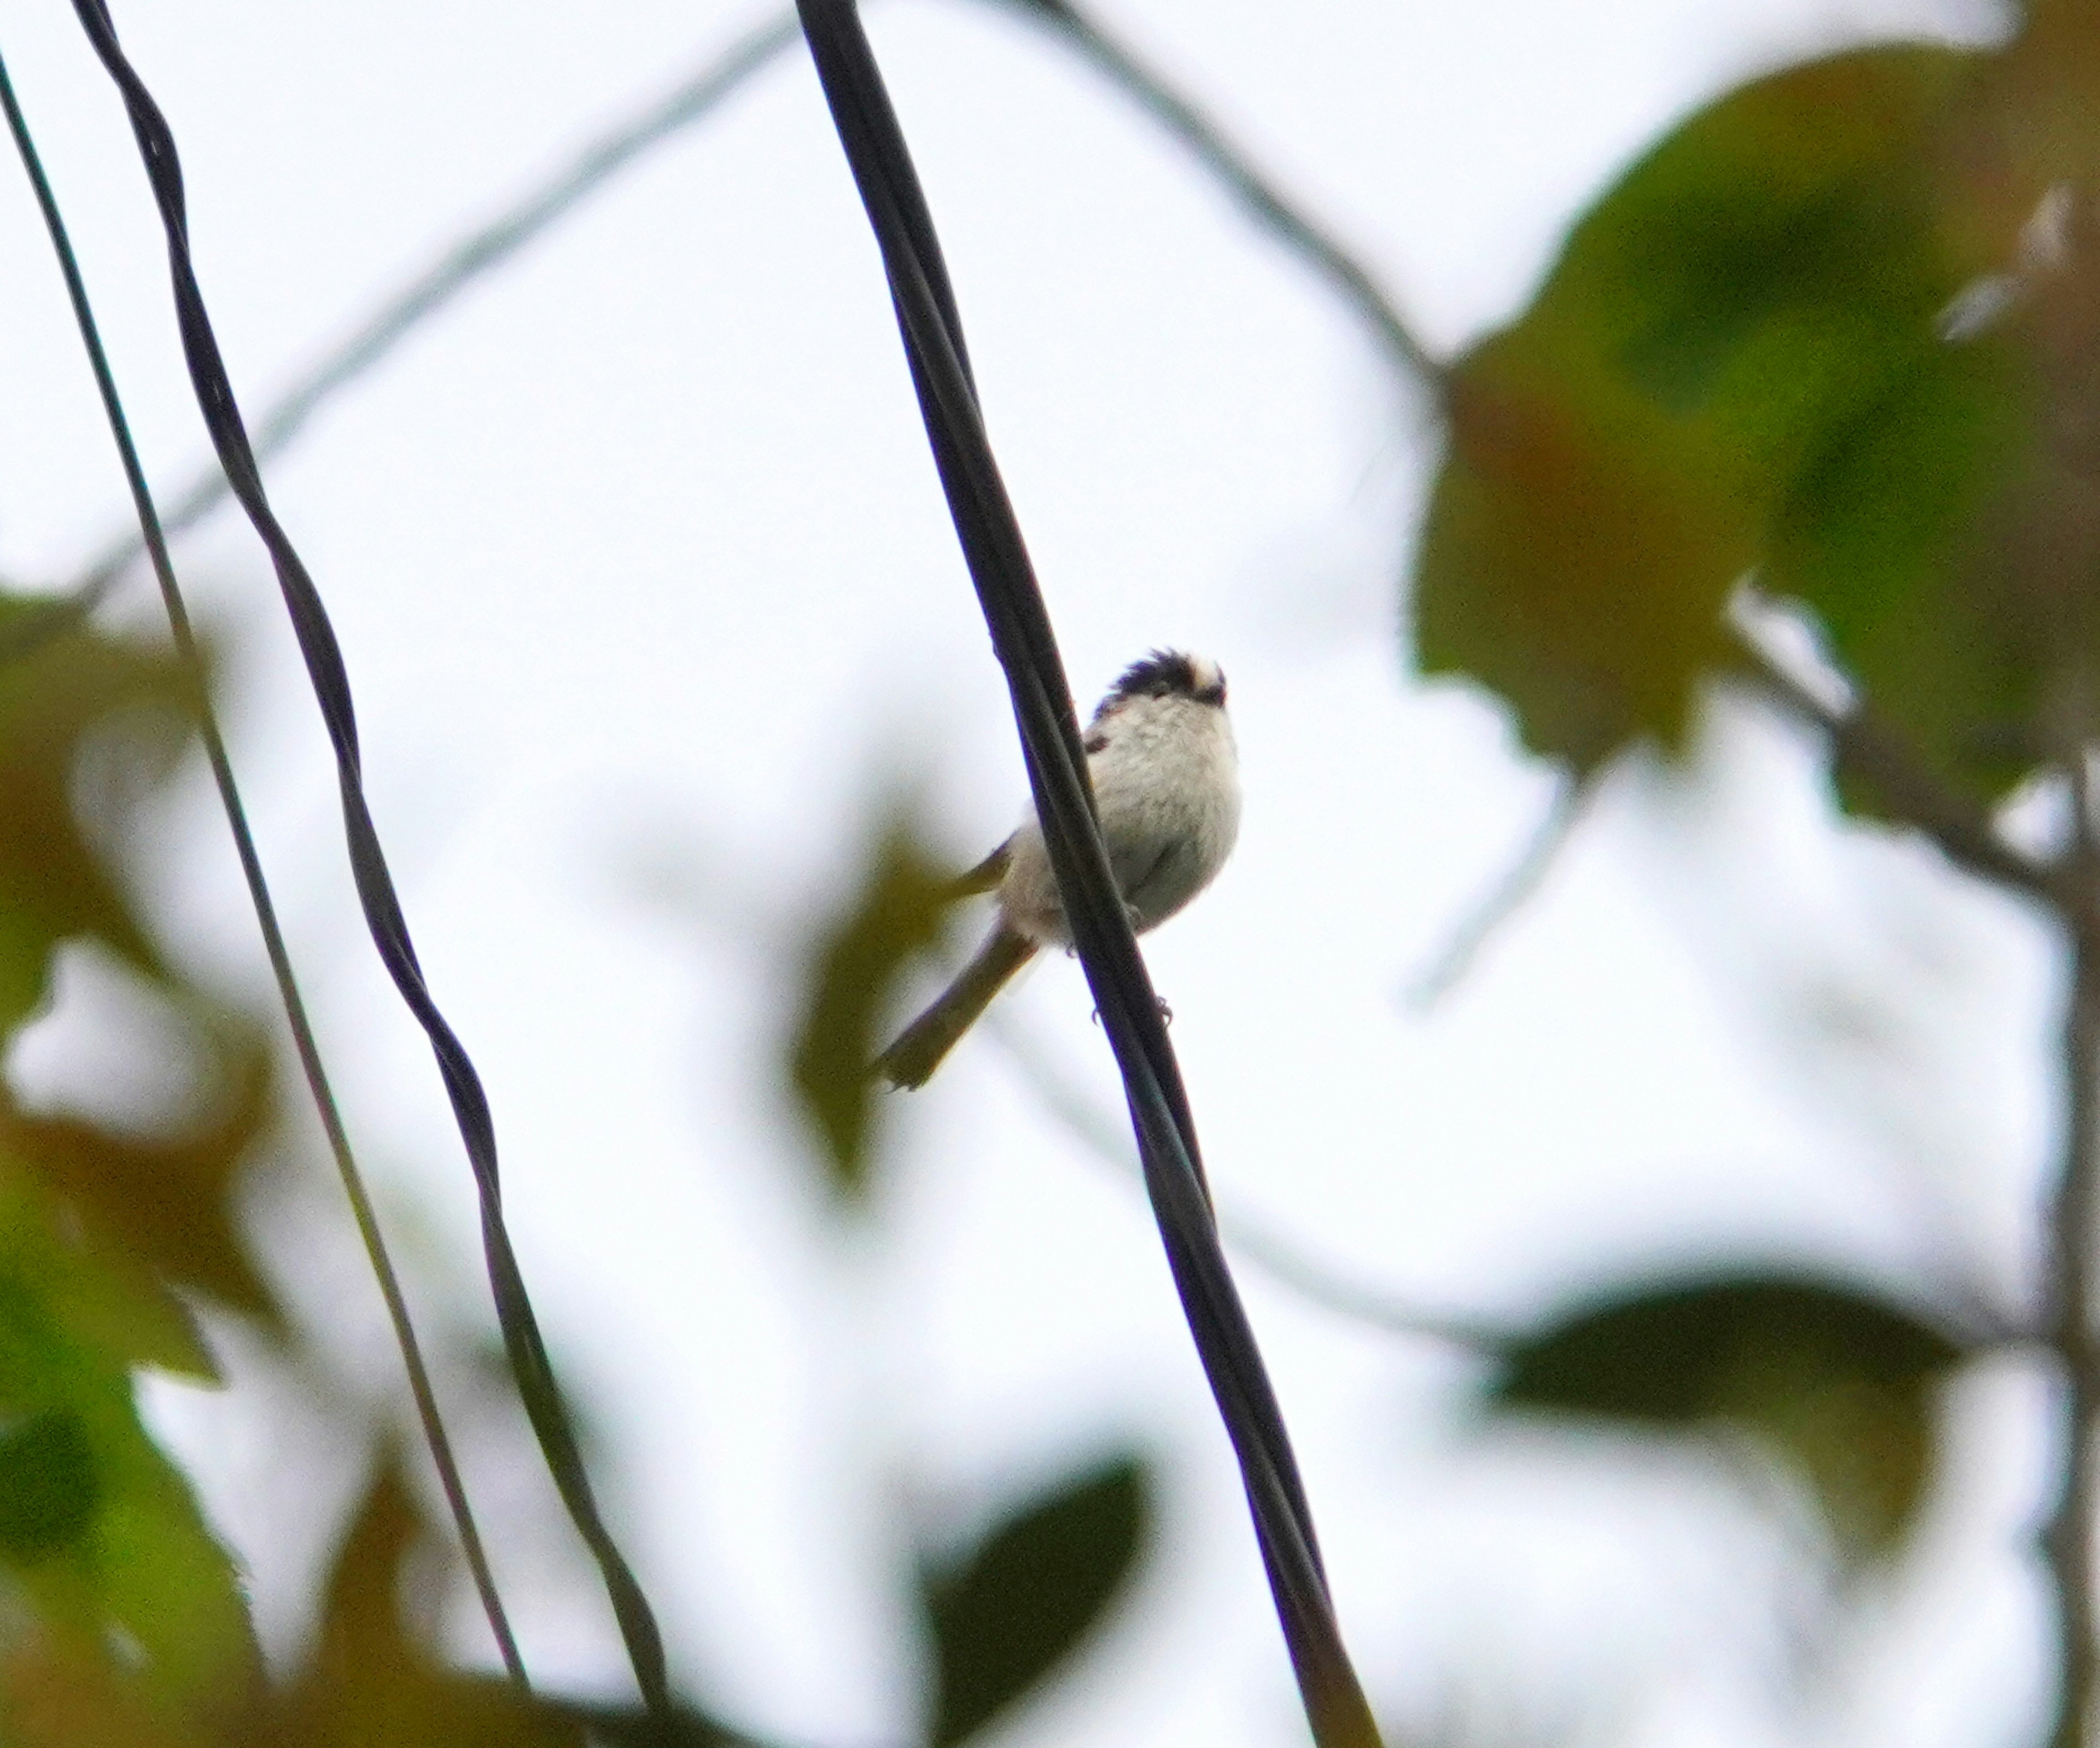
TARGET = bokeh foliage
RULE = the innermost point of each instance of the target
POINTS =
(1833, 1383)
(894, 912)
(110, 1582)
(1836, 336)
(1017, 1603)
(1835, 332)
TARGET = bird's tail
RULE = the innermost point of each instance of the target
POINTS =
(911, 1060)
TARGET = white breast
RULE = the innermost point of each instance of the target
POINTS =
(1167, 783)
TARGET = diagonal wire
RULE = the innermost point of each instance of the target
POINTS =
(537, 1386)
(155, 541)
(1026, 648)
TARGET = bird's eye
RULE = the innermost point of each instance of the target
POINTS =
(1214, 693)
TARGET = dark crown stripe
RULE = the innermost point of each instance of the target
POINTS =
(1161, 675)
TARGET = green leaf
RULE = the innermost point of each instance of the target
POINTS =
(894, 914)
(1576, 558)
(100, 1535)
(372, 1682)
(121, 1618)
(1749, 292)
(1015, 1608)
(1838, 1385)
(164, 1207)
(55, 690)
(49, 1490)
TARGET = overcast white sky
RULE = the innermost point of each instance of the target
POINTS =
(645, 584)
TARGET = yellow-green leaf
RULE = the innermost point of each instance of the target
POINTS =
(894, 913)
(1764, 277)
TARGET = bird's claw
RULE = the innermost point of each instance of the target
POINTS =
(1165, 1013)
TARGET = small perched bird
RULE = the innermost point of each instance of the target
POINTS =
(1165, 777)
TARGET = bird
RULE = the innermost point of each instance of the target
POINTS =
(1166, 779)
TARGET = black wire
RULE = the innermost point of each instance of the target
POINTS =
(536, 1385)
(1022, 638)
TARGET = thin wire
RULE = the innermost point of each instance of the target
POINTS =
(434, 1437)
(1212, 149)
(538, 1391)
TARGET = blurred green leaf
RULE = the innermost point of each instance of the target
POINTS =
(370, 1683)
(1892, 536)
(894, 913)
(1759, 284)
(1576, 558)
(53, 691)
(1017, 1606)
(121, 1618)
(1836, 1385)
(49, 1492)
(165, 1203)
(99, 1534)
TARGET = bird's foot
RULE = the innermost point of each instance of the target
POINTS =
(1165, 1013)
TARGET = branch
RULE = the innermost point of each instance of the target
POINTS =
(2068, 1538)
(1501, 901)
(1870, 750)
(1262, 200)
(691, 101)
(1108, 1141)
(441, 283)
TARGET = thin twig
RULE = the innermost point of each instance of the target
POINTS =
(1870, 751)
(1867, 748)
(1109, 1141)
(440, 284)
(2068, 1538)
(1501, 901)
(154, 542)
(1229, 164)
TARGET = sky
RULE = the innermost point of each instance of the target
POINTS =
(649, 599)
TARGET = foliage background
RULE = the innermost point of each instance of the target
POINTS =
(632, 721)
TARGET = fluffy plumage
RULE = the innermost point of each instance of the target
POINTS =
(1166, 777)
